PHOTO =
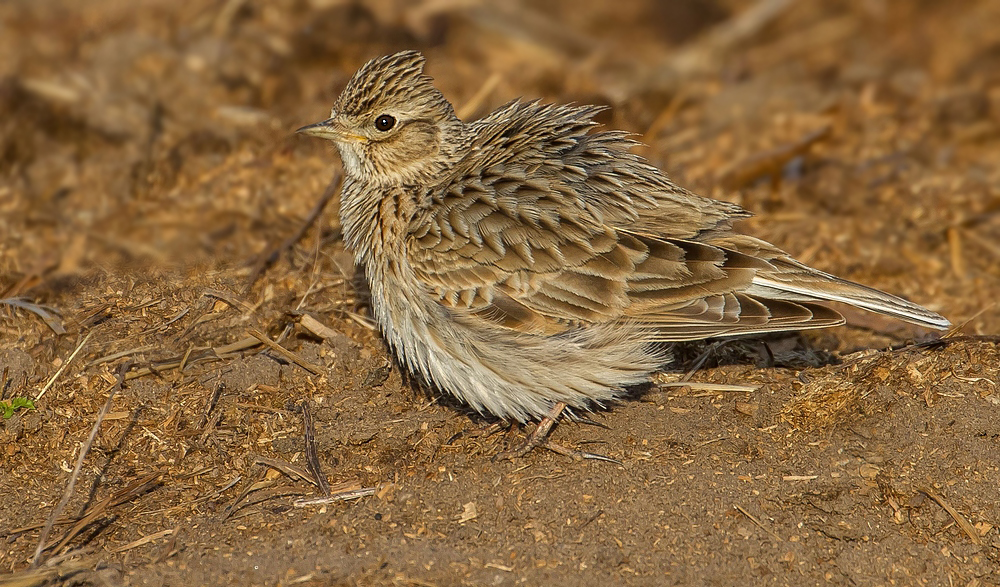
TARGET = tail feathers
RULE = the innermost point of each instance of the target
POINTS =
(818, 286)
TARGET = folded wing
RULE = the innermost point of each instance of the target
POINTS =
(551, 228)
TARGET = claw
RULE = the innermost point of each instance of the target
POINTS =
(539, 437)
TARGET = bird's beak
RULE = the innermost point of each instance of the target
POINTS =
(330, 129)
(327, 129)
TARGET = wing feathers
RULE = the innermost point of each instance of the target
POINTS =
(549, 228)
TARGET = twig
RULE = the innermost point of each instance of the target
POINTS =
(959, 518)
(133, 489)
(341, 496)
(145, 540)
(312, 459)
(267, 260)
(212, 402)
(118, 355)
(756, 521)
(709, 386)
(286, 468)
(57, 511)
(318, 328)
(39, 310)
(314, 369)
(591, 519)
(770, 163)
(171, 548)
(711, 441)
(64, 365)
(255, 485)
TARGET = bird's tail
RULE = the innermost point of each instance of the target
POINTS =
(797, 282)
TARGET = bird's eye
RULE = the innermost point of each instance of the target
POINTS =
(384, 122)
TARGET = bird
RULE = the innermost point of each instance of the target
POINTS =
(531, 265)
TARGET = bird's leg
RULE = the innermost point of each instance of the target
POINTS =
(539, 437)
(541, 432)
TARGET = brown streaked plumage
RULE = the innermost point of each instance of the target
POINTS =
(523, 260)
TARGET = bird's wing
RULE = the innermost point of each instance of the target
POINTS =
(546, 234)
(526, 258)
(521, 251)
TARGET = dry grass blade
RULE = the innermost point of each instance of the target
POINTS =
(267, 260)
(338, 496)
(121, 354)
(312, 459)
(257, 484)
(64, 366)
(952, 334)
(708, 386)
(195, 355)
(145, 540)
(240, 345)
(476, 102)
(959, 518)
(316, 327)
(229, 298)
(293, 357)
(705, 53)
(757, 522)
(43, 312)
(171, 547)
(133, 489)
(84, 450)
(287, 468)
(956, 251)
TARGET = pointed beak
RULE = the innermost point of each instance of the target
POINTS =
(327, 129)
(332, 129)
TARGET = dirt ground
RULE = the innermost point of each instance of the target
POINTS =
(148, 169)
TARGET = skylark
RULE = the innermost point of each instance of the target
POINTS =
(524, 262)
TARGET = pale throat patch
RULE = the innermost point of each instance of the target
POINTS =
(352, 162)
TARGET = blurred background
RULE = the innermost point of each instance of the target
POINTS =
(149, 169)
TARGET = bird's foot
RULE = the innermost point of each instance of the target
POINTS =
(539, 437)
(577, 455)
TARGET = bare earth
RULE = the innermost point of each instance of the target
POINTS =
(148, 165)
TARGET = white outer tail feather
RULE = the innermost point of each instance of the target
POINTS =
(850, 293)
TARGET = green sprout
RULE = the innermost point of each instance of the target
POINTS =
(8, 407)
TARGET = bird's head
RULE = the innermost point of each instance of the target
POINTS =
(390, 124)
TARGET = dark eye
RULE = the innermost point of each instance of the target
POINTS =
(384, 122)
